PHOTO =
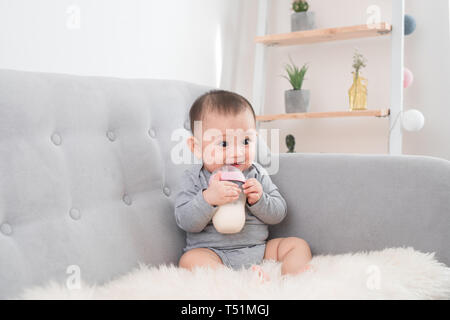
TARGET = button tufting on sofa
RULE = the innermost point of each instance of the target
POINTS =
(152, 133)
(6, 229)
(166, 191)
(111, 135)
(126, 199)
(56, 138)
(75, 214)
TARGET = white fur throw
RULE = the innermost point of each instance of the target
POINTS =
(400, 273)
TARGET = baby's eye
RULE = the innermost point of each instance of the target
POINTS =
(223, 144)
(247, 140)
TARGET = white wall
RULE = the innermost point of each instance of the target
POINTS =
(175, 39)
(211, 42)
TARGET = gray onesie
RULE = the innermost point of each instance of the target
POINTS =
(194, 215)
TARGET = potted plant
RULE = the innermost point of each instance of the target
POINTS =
(301, 19)
(297, 99)
(290, 143)
(358, 91)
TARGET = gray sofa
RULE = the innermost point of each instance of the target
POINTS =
(86, 180)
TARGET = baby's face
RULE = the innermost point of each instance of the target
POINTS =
(228, 139)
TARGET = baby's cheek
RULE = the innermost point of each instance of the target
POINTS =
(250, 155)
(212, 156)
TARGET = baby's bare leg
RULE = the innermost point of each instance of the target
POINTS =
(295, 255)
(199, 257)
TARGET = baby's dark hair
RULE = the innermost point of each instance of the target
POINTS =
(221, 101)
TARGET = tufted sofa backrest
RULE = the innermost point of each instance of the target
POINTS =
(87, 184)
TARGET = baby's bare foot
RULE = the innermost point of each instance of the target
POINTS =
(262, 275)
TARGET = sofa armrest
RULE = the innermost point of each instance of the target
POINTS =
(344, 203)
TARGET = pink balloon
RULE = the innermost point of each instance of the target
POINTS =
(408, 78)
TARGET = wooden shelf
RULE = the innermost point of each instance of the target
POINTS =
(333, 114)
(325, 35)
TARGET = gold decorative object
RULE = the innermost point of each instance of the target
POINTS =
(358, 91)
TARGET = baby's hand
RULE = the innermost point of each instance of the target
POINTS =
(253, 190)
(221, 192)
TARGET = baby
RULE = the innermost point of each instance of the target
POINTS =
(217, 118)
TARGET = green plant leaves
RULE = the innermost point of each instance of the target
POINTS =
(295, 76)
(359, 61)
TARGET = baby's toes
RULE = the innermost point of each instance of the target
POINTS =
(262, 276)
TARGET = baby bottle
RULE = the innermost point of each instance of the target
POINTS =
(230, 217)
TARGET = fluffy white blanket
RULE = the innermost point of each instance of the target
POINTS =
(400, 273)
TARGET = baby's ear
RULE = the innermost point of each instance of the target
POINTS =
(190, 143)
(194, 146)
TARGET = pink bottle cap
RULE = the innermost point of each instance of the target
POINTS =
(229, 173)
